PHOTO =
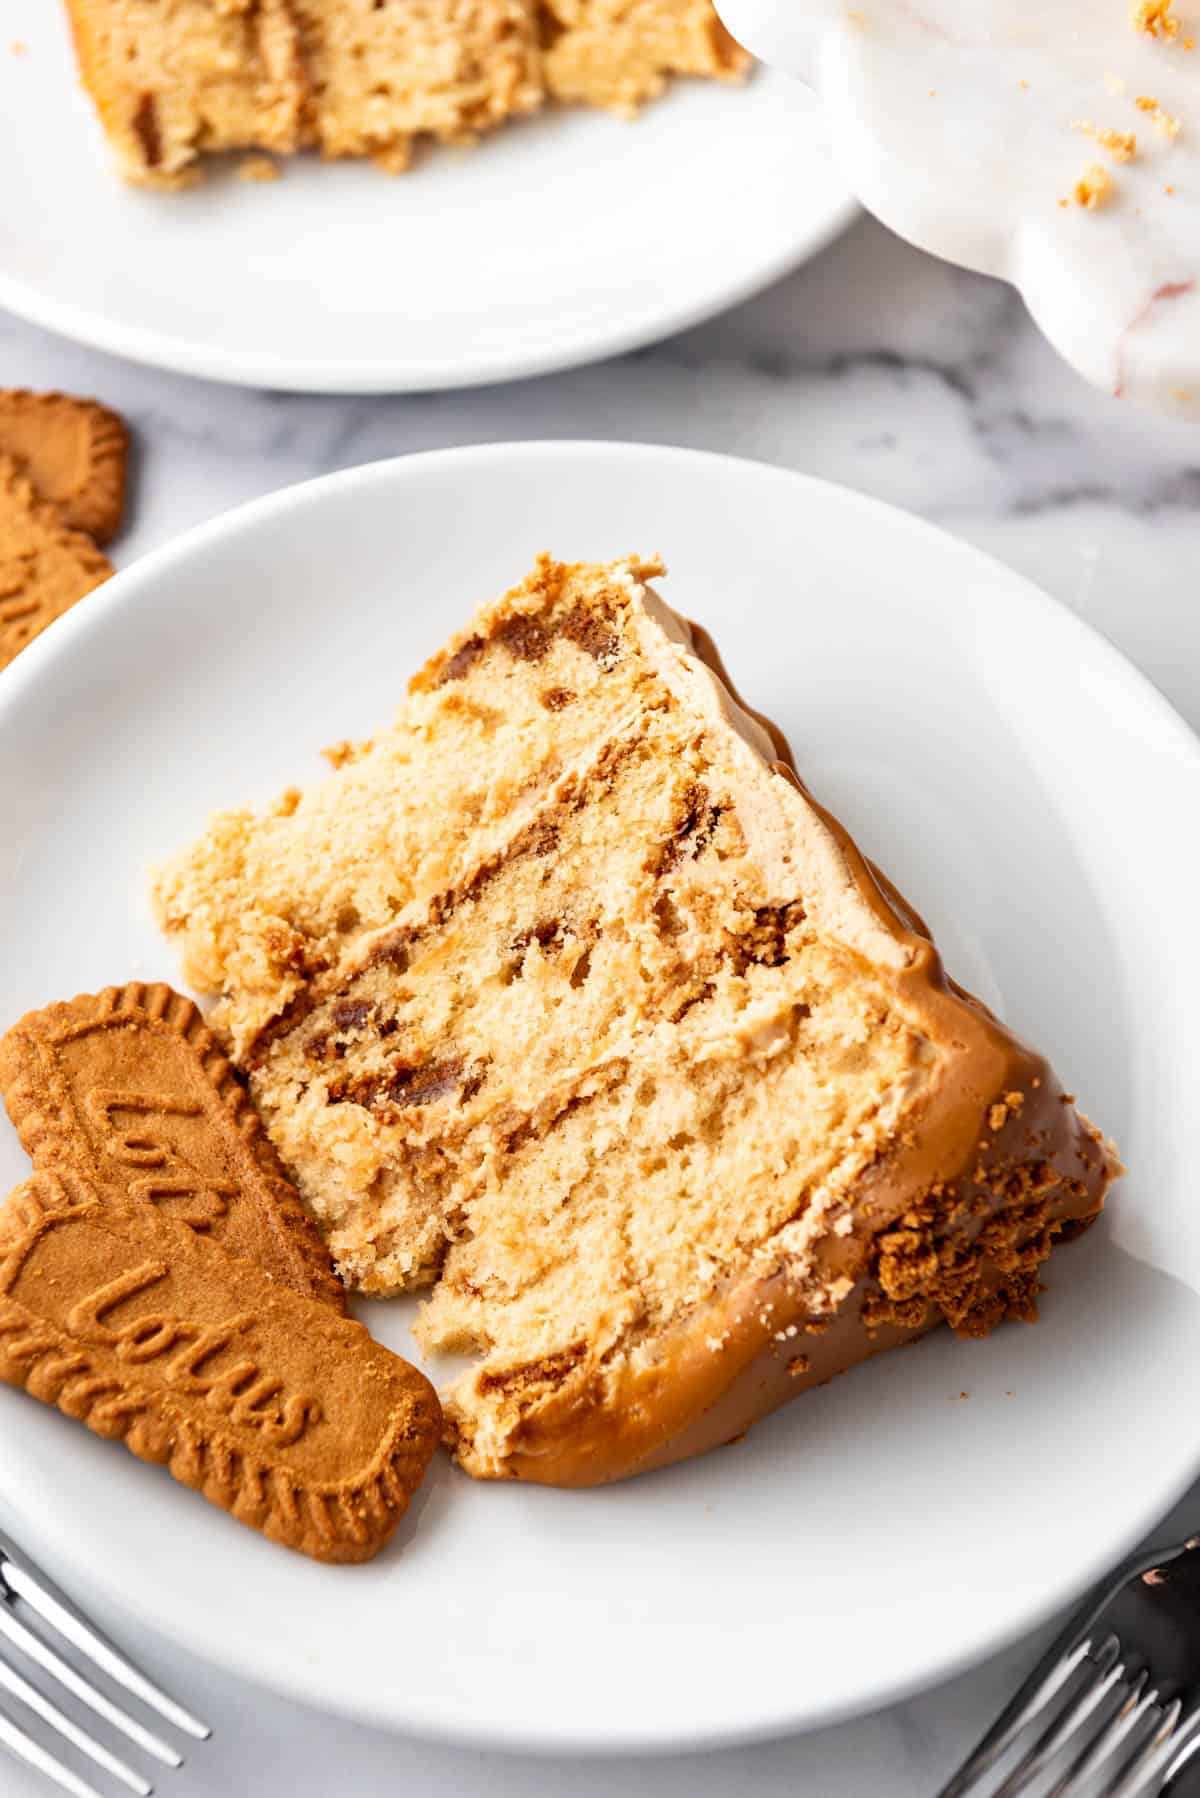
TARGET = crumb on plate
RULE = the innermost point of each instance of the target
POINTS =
(1121, 145)
(1094, 188)
(1155, 18)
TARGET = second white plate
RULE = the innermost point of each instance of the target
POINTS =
(1024, 786)
(562, 239)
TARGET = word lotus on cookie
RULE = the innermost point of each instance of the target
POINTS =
(1054, 143)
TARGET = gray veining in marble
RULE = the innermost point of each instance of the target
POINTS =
(876, 367)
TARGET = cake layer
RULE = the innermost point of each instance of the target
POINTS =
(589, 1012)
(382, 77)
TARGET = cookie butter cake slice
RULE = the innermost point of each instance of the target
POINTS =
(564, 994)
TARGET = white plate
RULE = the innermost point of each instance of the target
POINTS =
(566, 238)
(1029, 791)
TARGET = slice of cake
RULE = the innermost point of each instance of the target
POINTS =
(619, 53)
(174, 79)
(565, 994)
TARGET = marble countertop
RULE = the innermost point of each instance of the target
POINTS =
(875, 367)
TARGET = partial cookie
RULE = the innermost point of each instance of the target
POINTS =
(44, 567)
(273, 1407)
(75, 452)
(128, 1090)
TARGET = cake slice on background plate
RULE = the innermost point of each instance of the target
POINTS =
(565, 995)
(174, 80)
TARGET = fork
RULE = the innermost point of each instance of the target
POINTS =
(24, 1588)
(1113, 1708)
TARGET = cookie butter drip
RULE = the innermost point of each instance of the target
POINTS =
(587, 1013)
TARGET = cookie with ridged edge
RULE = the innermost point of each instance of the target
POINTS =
(75, 452)
(274, 1407)
(45, 568)
(128, 1090)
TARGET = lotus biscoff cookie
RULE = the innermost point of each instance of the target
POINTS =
(274, 1407)
(75, 452)
(45, 567)
(128, 1090)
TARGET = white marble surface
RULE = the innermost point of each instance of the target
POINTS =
(875, 367)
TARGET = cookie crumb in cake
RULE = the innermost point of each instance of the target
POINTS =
(18, 47)
(1094, 188)
(1155, 18)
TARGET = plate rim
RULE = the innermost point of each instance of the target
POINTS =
(70, 1558)
(152, 349)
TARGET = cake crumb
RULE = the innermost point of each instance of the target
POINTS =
(19, 47)
(1165, 123)
(1094, 188)
(1121, 145)
(797, 1365)
(258, 168)
(1155, 18)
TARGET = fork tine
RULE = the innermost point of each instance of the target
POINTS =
(66, 1727)
(34, 1755)
(1130, 1717)
(1039, 1690)
(80, 1688)
(1104, 1673)
(57, 1610)
(1168, 1750)
(1183, 1755)
(1141, 1769)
